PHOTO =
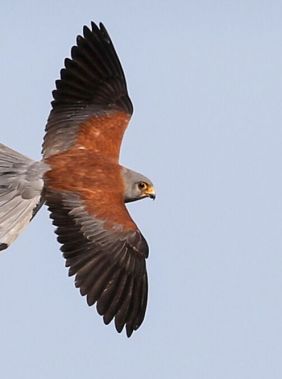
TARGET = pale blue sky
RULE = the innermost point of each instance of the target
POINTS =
(205, 78)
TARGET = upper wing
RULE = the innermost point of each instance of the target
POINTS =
(108, 259)
(92, 87)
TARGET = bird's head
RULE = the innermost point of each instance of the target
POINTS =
(137, 186)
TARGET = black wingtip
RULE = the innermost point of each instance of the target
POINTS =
(86, 31)
(129, 331)
(118, 325)
(79, 39)
(96, 75)
(105, 33)
(94, 27)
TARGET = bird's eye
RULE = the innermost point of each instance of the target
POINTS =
(142, 185)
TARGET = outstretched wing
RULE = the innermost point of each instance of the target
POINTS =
(84, 189)
(107, 258)
(91, 105)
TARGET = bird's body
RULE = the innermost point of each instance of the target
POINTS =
(83, 184)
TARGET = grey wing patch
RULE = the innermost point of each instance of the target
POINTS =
(109, 265)
(63, 126)
(21, 186)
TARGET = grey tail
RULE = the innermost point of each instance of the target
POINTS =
(21, 188)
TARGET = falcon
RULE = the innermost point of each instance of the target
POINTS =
(83, 185)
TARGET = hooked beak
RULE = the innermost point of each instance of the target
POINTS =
(150, 192)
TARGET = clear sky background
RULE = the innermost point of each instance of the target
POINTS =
(205, 78)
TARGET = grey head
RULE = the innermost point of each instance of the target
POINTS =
(136, 186)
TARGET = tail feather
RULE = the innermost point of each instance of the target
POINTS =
(21, 187)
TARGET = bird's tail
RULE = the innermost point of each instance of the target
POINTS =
(21, 188)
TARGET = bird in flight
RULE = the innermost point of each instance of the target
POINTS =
(82, 183)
